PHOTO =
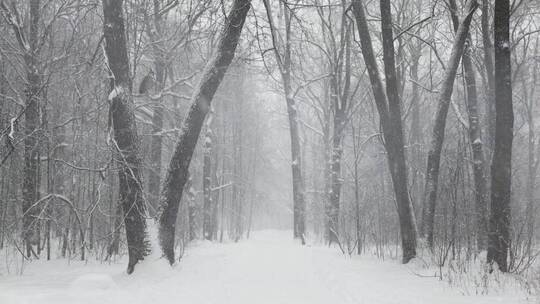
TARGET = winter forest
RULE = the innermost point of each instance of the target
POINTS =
(269, 151)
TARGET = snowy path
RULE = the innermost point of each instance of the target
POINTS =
(270, 268)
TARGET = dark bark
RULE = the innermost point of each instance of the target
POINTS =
(437, 137)
(390, 118)
(299, 203)
(178, 167)
(126, 140)
(501, 166)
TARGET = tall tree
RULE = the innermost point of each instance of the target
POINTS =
(154, 30)
(284, 63)
(339, 61)
(501, 165)
(475, 136)
(389, 109)
(126, 140)
(490, 74)
(213, 74)
(437, 136)
(29, 44)
(209, 205)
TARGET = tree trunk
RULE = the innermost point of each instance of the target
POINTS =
(178, 167)
(335, 175)
(192, 210)
(488, 65)
(209, 221)
(501, 166)
(475, 138)
(154, 176)
(237, 200)
(340, 97)
(390, 118)
(437, 137)
(299, 203)
(31, 132)
(284, 64)
(126, 140)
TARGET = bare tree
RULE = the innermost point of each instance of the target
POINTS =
(177, 173)
(437, 137)
(284, 62)
(126, 140)
(475, 136)
(390, 118)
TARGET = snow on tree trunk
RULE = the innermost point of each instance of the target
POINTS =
(177, 173)
(126, 140)
(31, 130)
(154, 32)
(209, 206)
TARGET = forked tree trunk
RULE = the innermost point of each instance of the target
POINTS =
(126, 140)
(437, 136)
(475, 138)
(501, 165)
(390, 118)
(177, 173)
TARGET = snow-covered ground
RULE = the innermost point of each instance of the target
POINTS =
(268, 268)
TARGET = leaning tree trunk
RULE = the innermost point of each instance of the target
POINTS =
(437, 137)
(178, 167)
(475, 137)
(391, 120)
(126, 139)
(501, 166)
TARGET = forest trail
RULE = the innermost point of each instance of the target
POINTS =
(268, 268)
